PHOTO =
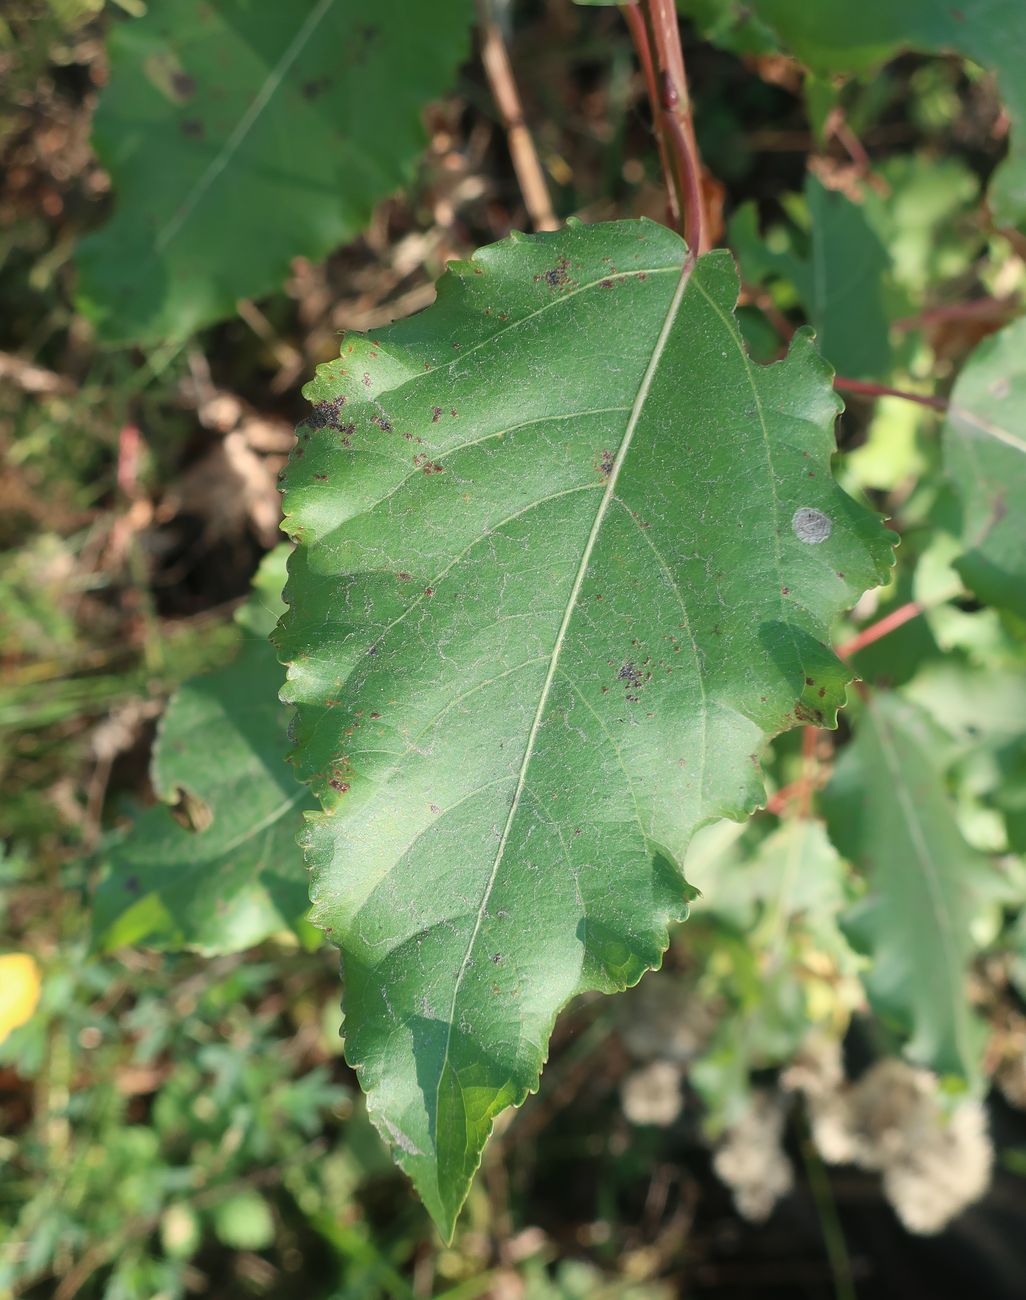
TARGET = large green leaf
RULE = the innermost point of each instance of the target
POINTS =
(985, 457)
(839, 278)
(832, 36)
(929, 891)
(236, 874)
(242, 133)
(567, 556)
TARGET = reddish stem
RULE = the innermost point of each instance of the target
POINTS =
(883, 390)
(985, 309)
(691, 185)
(656, 35)
(881, 628)
(635, 21)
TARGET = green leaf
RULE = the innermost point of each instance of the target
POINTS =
(839, 279)
(888, 810)
(985, 458)
(243, 1221)
(834, 36)
(567, 556)
(779, 960)
(237, 875)
(240, 135)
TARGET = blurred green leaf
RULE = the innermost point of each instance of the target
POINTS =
(889, 811)
(840, 277)
(837, 36)
(985, 459)
(243, 133)
(244, 1221)
(234, 873)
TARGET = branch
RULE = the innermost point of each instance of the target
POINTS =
(656, 35)
(883, 390)
(638, 28)
(499, 72)
(895, 619)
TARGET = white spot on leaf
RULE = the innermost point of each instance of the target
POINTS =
(811, 526)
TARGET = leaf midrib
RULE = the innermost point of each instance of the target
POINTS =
(568, 613)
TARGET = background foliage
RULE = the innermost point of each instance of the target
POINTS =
(833, 1061)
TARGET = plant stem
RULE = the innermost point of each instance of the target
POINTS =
(829, 1221)
(499, 72)
(635, 20)
(883, 390)
(881, 628)
(656, 35)
(982, 309)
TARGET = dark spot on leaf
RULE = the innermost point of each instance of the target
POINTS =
(630, 674)
(403, 576)
(821, 692)
(436, 414)
(131, 884)
(383, 423)
(321, 478)
(193, 128)
(809, 682)
(429, 591)
(315, 87)
(785, 591)
(325, 414)
(806, 713)
(183, 85)
(341, 786)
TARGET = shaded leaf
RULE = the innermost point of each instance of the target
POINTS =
(889, 811)
(839, 278)
(241, 135)
(567, 556)
(985, 458)
(234, 873)
(835, 36)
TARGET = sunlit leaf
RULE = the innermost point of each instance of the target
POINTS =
(567, 557)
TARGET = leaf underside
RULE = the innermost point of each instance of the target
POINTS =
(567, 557)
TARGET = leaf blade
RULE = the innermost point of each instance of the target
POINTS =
(540, 587)
(270, 132)
(985, 459)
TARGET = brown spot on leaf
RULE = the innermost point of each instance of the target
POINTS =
(183, 85)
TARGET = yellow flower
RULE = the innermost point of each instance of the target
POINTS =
(19, 990)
